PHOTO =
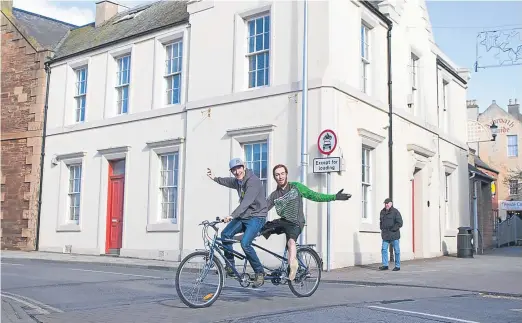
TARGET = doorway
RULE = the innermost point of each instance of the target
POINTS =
(115, 202)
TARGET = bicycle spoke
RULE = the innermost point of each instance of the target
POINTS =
(201, 290)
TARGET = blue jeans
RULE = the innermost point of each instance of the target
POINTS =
(396, 250)
(251, 227)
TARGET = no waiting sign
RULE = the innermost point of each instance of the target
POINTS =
(327, 142)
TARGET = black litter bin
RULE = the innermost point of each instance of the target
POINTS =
(464, 245)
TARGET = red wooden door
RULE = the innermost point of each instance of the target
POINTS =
(115, 207)
(413, 214)
(116, 214)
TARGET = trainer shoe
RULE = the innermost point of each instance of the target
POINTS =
(259, 280)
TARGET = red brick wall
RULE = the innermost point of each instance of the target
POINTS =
(494, 175)
(486, 214)
(22, 99)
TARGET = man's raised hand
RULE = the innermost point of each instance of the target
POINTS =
(340, 196)
(209, 174)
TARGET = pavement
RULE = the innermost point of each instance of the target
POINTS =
(47, 287)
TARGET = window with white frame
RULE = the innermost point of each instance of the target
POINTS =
(169, 185)
(81, 94)
(414, 80)
(258, 47)
(513, 187)
(366, 182)
(256, 159)
(122, 84)
(74, 192)
(512, 148)
(365, 57)
(173, 65)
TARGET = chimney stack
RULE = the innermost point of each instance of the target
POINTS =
(472, 109)
(105, 10)
(514, 109)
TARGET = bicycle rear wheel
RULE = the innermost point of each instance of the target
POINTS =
(311, 273)
(203, 269)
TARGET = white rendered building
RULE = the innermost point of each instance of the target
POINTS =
(134, 97)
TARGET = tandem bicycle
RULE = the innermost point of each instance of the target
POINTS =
(212, 267)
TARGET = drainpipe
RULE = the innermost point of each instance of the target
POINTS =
(389, 23)
(438, 150)
(42, 154)
(181, 231)
(475, 218)
(304, 114)
(390, 112)
(475, 215)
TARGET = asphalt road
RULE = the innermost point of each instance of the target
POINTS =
(64, 292)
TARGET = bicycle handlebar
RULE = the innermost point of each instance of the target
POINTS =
(213, 223)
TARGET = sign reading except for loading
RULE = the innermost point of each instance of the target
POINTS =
(327, 165)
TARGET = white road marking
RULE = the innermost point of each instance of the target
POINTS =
(30, 300)
(517, 309)
(423, 314)
(7, 263)
(348, 284)
(34, 307)
(499, 296)
(115, 273)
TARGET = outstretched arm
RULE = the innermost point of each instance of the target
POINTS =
(311, 195)
(226, 181)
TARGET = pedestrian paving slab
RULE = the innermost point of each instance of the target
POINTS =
(12, 312)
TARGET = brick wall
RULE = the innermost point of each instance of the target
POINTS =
(22, 99)
(494, 175)
(485, 216)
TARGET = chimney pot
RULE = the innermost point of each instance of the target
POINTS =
(516, 101)
(509, 101)
(494, 101)
(105, 10)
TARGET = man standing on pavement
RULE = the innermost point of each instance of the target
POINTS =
(390, 222)
(249, 217)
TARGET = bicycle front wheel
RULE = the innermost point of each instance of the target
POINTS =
(206, 277)
(308, 276)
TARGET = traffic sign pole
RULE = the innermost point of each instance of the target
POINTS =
(326, 143)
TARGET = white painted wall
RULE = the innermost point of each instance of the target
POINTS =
(218, 113)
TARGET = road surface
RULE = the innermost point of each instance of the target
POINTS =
(68, 292)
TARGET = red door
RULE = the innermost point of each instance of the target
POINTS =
(413, 214)
(115, 207)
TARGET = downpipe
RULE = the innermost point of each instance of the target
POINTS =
(42, 155)
(304, 116)
(475, 217)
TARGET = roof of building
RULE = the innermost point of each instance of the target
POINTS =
(130, 23)
(480, 173)
(43, 33)
(480, 163)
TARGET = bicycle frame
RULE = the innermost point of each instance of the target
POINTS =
(216, 245)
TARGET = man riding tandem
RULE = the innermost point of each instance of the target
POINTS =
(250, 216)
